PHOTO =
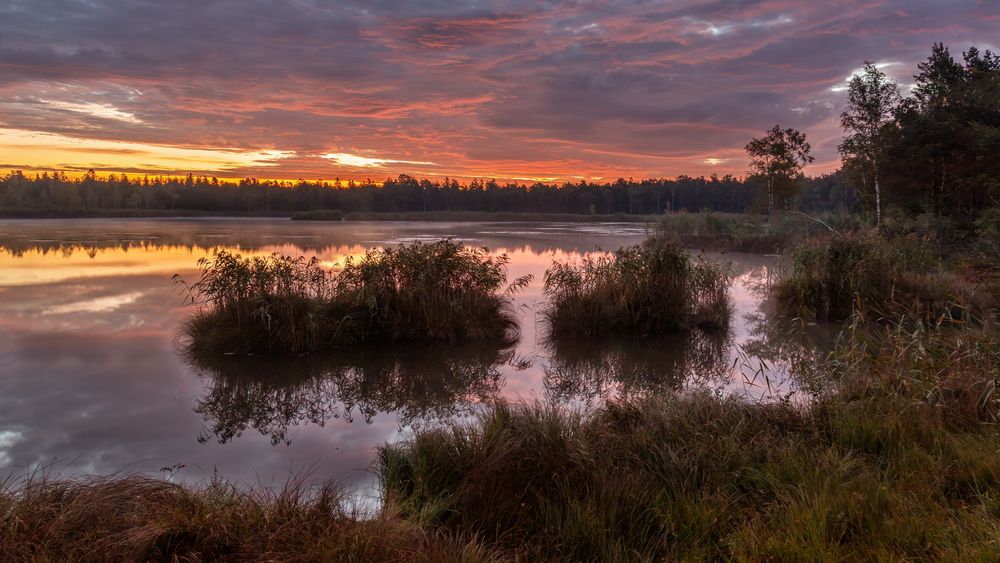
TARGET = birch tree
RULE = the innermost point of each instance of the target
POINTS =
(872, 99)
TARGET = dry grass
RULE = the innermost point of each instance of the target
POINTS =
(134, 518)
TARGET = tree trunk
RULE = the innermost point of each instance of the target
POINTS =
(878, 197)
(770, 199)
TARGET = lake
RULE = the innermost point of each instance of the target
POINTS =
(92, 379)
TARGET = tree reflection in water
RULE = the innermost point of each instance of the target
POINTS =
(273, 395)
(601, 369)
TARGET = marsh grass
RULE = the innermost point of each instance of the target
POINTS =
(830, 277)
(896, 459)
(439, 291)
(745, 232)
(654, 288)
(136, 518)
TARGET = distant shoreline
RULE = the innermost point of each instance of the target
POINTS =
(430, 216)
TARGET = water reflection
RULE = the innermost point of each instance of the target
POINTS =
(600, 369)
(272, 395)
(89, 372)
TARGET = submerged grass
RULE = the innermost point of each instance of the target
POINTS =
(898, 459)
(652, 288)
(440, 291)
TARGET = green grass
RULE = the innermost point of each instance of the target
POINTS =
(441, 291)
(654, 288)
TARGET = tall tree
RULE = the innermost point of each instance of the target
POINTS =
(872, 100)
(779, 155)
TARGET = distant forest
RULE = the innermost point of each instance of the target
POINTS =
(935, 150)
(407, 194)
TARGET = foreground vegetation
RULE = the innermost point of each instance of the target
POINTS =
(652, 288)
(441, 291)
(136, 518)
(896, 457)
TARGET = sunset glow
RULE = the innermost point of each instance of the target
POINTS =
(517, 91)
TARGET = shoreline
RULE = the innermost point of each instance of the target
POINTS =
(428, 216)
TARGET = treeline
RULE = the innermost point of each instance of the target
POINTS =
(402, 194)
(934, 151)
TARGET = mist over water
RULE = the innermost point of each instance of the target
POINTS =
(92, 379)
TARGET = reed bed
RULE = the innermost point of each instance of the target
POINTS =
(653, 288)
(439, 291)
(831, 277)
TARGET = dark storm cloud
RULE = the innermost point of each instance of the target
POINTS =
(507, 88)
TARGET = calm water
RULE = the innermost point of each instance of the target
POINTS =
(91, 380)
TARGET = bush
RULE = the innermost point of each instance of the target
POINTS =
(440, 291)
(648, 289)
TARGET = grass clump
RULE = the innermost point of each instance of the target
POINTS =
(831, 277)
(652, 288)
(135, 518)
(439, 291)
(898, 458)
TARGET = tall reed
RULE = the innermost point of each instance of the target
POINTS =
(439, 291)
(644, 289)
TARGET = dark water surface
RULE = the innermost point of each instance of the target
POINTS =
(91, 380)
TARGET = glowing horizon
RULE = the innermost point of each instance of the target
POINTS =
(517, 92)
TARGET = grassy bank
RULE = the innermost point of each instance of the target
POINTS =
(897, 459)
(652, 288)
(440, 291)
(144, 519)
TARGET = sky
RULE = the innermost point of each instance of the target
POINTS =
(514, 90)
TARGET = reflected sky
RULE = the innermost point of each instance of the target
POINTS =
(92, 380)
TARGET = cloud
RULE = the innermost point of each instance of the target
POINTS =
(513, 89)
(103, 111)
(367, 162)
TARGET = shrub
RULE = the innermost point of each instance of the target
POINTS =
(648, 289)
(440, 291)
